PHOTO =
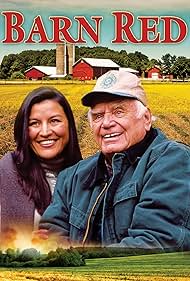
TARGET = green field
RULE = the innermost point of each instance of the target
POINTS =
(169, 102)
(172, 266)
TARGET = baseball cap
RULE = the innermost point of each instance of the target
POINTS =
(116, 83)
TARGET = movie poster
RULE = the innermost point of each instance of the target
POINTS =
(150, 39)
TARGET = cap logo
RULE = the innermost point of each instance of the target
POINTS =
(109, 81)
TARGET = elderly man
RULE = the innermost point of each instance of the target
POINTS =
(135, 193)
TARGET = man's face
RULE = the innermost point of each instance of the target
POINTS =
(119, 124)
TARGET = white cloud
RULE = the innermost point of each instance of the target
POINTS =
(171, 5)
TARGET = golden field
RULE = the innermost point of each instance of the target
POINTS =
(170, 104)
(56, 276)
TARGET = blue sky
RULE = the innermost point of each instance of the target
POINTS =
(46, 8)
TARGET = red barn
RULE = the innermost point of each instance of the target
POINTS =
(39, 72)
(154, 73)
(90, 68)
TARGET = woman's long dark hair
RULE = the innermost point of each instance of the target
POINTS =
(31, 173)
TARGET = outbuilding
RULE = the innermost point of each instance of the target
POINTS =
(154, 73)
(92, 68)
(39, 72)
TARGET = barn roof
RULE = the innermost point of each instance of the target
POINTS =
(152, 67)
(48, 70)
(128, 69)
(98, 62)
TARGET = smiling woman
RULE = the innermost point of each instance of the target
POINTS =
(48, 129)
(46, 142)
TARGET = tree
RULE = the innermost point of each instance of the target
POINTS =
(18, 65)
(1, 257)
(10, 255)
(181, 67)
(29, 255)
(65, 257)
(167, 63)
(17, 75)
(153, 62)
(6, 64)
(137, 61)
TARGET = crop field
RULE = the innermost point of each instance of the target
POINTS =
(170, 104)
(155, 267)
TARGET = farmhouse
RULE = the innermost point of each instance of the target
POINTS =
(39, 72)
(91, 68)
(153, 73)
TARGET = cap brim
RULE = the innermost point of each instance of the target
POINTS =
(97, 96)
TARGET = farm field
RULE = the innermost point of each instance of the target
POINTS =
(169, 102)
(155, 267)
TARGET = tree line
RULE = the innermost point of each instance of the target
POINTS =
(33, 258)
(14, 65)
(69, 257)
(65, 257)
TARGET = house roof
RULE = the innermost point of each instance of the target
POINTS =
(152, 67)
(98, 62)
(48, 70)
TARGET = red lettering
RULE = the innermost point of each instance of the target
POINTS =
(174, 29)
(14, 33)
(182, 29)
(147, 28)
(84, 24)
(37, 29)
(122, 28)
(61, 33)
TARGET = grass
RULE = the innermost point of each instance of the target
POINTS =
(170, 266)
(173, 264)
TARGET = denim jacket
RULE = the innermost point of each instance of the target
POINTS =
(146, 203)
